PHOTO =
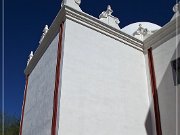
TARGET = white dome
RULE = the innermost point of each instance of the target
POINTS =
(131, 28)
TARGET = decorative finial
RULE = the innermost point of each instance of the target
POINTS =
(45, 30)
(72, 3)
(176, 7)
(30, 57)
(141, 33)
(109, 10)
(176, 10)
(62, 3)
(106, 16)
(141, 30)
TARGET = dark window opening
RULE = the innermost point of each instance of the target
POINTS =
(176, 70)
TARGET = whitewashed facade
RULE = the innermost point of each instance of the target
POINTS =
(90, 77)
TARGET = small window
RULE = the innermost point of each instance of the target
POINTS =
(176, 70)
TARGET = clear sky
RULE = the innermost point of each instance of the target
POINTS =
(25, 20)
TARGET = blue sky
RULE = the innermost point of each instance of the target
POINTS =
(25, 20)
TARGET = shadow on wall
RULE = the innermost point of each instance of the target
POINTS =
(149, 121)
(167, 92)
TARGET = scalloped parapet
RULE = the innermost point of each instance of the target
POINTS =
(72, 3)
(106, 17)
(176, 10)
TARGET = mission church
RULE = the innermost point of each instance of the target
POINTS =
(88, 76)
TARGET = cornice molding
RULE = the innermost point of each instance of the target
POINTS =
(167, 32)
(96, 24)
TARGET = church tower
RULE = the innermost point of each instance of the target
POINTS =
(90, 77)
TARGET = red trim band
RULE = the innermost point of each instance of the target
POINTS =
(154, 92)
(23, 106)
(57, 78)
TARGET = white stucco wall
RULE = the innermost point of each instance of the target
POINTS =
(150, 119)
(163, 55)
(40, 93)
(103, 86)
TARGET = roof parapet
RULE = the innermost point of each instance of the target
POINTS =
(106, 17)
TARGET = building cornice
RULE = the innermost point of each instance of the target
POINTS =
(167, 32)
(87, 20)
(95, 24)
